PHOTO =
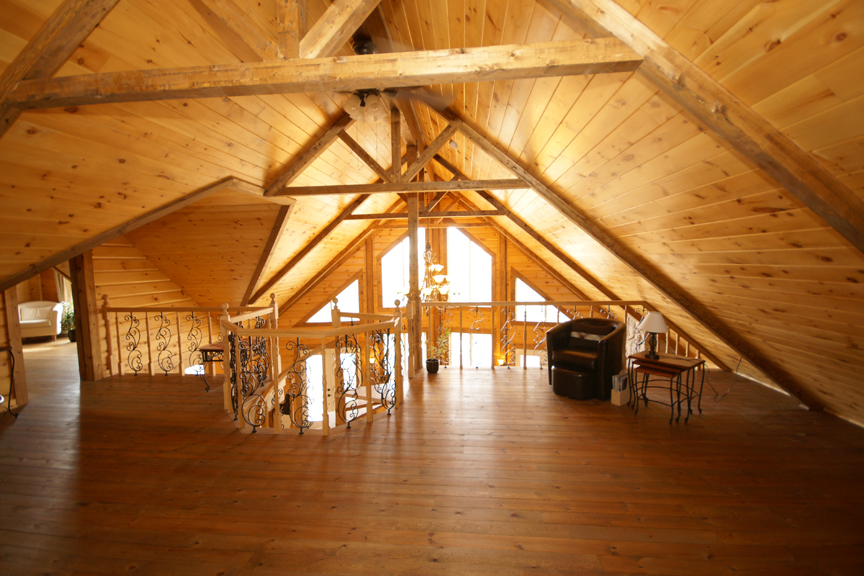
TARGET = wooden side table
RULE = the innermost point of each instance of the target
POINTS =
(679, 371)
(210, 353)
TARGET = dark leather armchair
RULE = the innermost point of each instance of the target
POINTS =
(584, 354)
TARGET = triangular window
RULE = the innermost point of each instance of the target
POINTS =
(349, 301)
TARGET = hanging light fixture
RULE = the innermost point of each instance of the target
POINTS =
(436, 286)
(365, 105)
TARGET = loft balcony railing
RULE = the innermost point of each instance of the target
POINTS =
(518, 329)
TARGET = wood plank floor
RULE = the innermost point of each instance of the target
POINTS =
(482, 473)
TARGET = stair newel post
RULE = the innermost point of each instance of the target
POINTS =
(238, 367)
(110, 345)
(119, 347)
(398, 354)
(226, 352)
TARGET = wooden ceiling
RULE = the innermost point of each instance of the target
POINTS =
(697, 221)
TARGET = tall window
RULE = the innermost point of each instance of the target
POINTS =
(394, 269)
(349, 301)
(525, 293)
(469, 268)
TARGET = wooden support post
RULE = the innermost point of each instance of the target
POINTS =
(397, 342)
(226, 368)
(292, 27)
(109, 344)
(119, 347)
(414, 280)
(241, 421)
(179, 346)
(13, 327)
(325, 422)
(396, 147)
(525, 340)
(367, 378)
(86, 317)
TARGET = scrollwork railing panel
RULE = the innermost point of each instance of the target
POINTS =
(164, 356)
(348, 371)
(133, 341)
(296, 405)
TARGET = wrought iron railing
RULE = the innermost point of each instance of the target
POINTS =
(361, 377)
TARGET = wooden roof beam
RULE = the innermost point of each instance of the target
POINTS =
(267, 254)
(398, 70)
(50, 48)
(292, 27)
(448, 214)
(57, 259)
(411, 187)
(358, 150)
(641, 266)
(745, 130)
(295, 168)
(335, 26)
(282, 272)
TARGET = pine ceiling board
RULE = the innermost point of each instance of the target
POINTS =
(833, 31)
(836, 125)
(663, 16)
(757, 33)
(709, 172)
(806, 294)
(705, 22)
(638, 139)
(133, 134)
(599, 91)
(609, 185)
(734, 189)
(803, 239)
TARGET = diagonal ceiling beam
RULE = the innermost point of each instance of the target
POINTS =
(295, 168)
(446, 214)
(430, 151)
(433, 203)
(51, 47)
(267, 254)
(78, 249)
(745, 130)
(282, 272)
(358, 150)
(244, 37)
(399, 70)
(641, 266)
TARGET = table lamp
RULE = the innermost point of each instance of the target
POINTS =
(654, 324)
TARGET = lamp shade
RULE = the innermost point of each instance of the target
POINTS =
(653, 323)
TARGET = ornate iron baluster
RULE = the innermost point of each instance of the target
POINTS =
(297, 404)
(383, 356)
(194, 338)
(347, 379)
(163, 336)
(133, 338)
(508, 347)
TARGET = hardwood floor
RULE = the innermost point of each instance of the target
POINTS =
(481, 473)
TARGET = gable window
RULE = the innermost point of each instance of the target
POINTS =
(524, 293)
(394, 269)
(469, 269)
(349, 301)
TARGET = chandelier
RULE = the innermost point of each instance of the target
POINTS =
(436, 286)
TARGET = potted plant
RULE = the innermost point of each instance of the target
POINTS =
(67, 321)
(438, 352)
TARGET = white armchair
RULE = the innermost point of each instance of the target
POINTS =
(40, 318)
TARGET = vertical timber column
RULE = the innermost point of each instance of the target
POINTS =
(416, 315)
(499, 292)
(86, 317)
(13, 329)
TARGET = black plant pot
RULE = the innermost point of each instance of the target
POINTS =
(71, 335)
(432, 365)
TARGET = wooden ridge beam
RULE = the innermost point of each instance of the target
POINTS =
(358, 150)
(291, 172)
(745, 130)
(464, 214)
(397, 70)
(267, 253)
(308, 248)
(50, 48)
(641, 266)
(410, 187)
(59, 258)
